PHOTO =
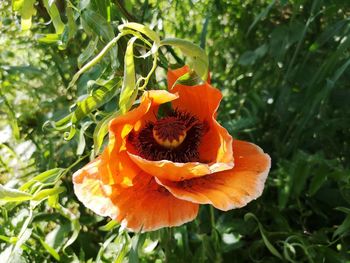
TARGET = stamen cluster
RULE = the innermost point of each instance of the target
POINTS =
(175, 137)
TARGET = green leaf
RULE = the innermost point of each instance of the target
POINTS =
(48, 38)
(101, 130)
(101, 28)
(13, 195)
(317, 181)
(199, 60)
(142, 29)
(88, 52)
(124, 249)
(98, 24)
(98, 97)
(43, 194)
(23, 235)
(76, 229)
(72, 27)
(109, 226)
(268, 244)
(12, 115)
(247, 58)
(136, 242)
(9, 239)
(17, 5)
(81, 142)
(343, 228)
(56, 237)
(261, 15)
(26, 10)
(50, 250)
(54, 14)
(189, 79)
(129, 90)
(49, 176)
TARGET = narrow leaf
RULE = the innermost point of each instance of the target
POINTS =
(142, 29)
(52, 9)
(48, 192)
(129, 89)
(268, 244)
(199, 60)
(49, 176)
(88, 52)
(101, 131)
(13, 195)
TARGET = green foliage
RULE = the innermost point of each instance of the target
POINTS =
(283, 67)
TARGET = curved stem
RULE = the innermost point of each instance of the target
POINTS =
(96, 59)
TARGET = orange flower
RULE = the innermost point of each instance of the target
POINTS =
(162, 162)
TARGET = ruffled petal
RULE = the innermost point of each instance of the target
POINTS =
(91, 192)
(116, 166)
(174, 171)
(145, 206)
(216, 147)
(201, 100)
(228, 189)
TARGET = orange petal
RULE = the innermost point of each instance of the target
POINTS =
(174, 74)
(116, 166)
(145, 206)
(228, 189)
(90, 191)
(201, 100)
(216, 146)
(178, 171)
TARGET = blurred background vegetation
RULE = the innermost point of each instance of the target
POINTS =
(283, 67)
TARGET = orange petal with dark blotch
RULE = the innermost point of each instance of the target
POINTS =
(178, 171)
(228, 189)
(145, 206)
(116, 166)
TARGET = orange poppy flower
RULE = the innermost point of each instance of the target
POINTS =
(162, 162)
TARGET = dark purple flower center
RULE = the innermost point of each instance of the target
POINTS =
(175, 137)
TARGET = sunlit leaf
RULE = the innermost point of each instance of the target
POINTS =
(142, 29)
(52, 10)
(109, 226)
(48, 192)
(199, 60)
(101, 130)
(26, 10)
(46, 177)
(81, 140)
(188, 79)
(129, 89)
(97, 98)
(13, 195)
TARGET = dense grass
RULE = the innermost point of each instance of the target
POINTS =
(283, 67)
